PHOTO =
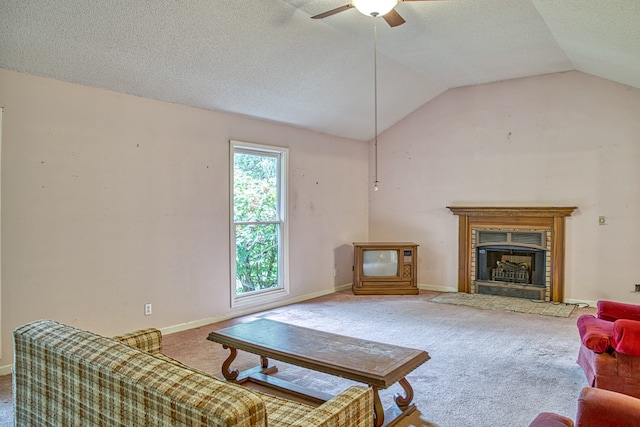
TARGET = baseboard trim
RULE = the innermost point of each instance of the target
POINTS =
(6, 370)
(249, 310)
(436, 288)
(341, 288)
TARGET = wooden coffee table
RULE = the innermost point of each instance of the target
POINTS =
(376, 364)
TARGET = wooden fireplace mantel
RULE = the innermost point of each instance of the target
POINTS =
(518, 217)
(519, 211)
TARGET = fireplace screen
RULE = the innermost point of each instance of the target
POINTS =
(511, 263)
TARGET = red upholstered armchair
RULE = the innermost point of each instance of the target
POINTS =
(596, 408)
(610, 350)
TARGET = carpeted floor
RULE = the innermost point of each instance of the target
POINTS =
(488, 368)
(495, 302)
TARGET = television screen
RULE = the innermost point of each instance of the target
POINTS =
(382, 263)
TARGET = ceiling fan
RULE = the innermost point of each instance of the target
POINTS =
(384, 8)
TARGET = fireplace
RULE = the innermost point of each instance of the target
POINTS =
(512, 251)
(510, 263)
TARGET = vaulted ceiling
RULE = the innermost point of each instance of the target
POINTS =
(268, 59)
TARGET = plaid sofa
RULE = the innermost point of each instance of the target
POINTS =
(65, 376)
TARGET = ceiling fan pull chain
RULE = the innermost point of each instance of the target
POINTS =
(375, 101)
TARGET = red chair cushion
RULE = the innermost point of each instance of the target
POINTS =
(596, 334)
(613, 310)
(626, 337)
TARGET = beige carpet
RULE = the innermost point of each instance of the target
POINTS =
(494, 302)
(488, 368)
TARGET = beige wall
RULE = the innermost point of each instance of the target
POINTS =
(566, 139)
(110, 201)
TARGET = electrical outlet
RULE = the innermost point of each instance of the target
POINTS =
(147, 309)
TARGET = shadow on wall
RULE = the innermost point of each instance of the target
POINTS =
(343, 265)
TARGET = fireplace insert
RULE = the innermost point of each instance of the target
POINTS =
(511, 270)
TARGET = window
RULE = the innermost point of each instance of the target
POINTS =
(258, 224)
(1, 111)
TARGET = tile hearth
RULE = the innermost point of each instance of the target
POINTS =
(517, 305)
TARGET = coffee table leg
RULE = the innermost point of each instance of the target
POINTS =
(378, 410)
(226, 372)
(404, 401)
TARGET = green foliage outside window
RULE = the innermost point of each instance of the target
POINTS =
(255, 200)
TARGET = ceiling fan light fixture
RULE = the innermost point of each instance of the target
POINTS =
(375, 7)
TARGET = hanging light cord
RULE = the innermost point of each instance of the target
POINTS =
(375, 101)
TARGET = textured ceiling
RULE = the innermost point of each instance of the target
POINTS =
(268, 59)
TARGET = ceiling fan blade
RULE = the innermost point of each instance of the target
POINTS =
(393, 18)
(333, 11)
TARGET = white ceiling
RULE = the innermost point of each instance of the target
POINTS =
(268, 59)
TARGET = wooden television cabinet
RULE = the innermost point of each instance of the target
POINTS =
(385, 268)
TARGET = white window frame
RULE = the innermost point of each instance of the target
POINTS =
(1, 112)
(265, 295)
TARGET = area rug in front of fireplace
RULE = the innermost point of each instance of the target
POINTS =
(495, 302)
